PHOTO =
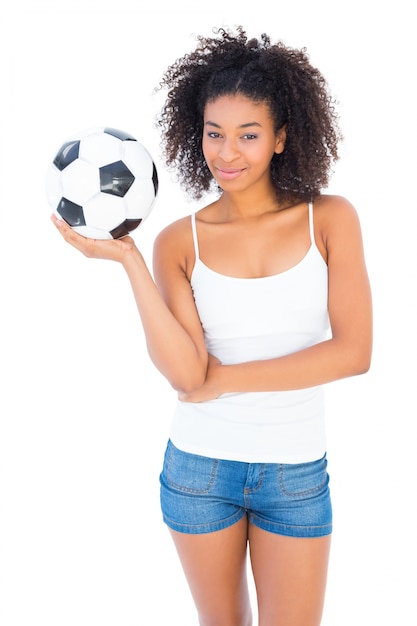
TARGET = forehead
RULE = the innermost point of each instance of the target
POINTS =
(237, 109)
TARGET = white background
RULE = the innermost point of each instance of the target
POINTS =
(84, 415)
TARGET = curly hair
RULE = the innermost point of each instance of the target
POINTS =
(295, 92)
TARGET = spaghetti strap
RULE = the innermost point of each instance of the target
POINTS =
(194, 229)
(311, 222)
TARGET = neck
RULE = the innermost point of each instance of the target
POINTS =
(248, 206)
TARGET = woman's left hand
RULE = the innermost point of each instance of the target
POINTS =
(210, 388)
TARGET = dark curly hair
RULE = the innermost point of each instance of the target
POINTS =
(295, 92)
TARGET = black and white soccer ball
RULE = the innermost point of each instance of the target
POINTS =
(103, 183)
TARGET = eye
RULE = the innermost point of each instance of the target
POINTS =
(213, 135)
(250, 136)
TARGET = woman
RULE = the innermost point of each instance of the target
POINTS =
(259, 299)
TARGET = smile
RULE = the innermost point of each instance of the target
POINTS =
(227, 173)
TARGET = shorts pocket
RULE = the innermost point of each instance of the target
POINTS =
(189, 473)
(303, 480)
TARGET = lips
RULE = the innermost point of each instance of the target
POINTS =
(228, 173)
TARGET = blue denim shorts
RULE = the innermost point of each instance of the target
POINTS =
(202, 495)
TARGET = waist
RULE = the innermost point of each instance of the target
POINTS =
(286, 427)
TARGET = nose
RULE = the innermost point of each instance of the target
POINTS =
(228, 151)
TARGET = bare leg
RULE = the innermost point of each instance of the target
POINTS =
(290, 577)
(215, 567)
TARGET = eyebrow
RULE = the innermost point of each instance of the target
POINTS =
(246, 125)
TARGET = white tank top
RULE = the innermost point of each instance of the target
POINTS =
(248, 319)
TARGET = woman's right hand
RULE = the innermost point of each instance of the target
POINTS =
(112, 250)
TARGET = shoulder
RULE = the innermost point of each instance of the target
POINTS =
(334, 214)
(177, 237)
(173, 246)
(328, 206)
(174, 231)
(338, 228)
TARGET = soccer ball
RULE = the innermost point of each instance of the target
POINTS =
(103, 183)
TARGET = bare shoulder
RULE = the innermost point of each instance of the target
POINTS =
(332, 207)
(173, 246)
(175, 237)
(174, 232)
(337, 228)
(175, 241)
(334, 214)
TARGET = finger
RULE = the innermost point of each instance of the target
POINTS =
(61, 225)
(83, 244)
(58, 222)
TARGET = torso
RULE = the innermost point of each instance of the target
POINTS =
(254, 311)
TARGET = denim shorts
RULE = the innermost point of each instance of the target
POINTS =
(202, 495)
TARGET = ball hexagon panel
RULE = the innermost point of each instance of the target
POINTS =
(142, 193)
(106, 210)
(80, 181)
(100, 148)
(137, 159)
(53, 186)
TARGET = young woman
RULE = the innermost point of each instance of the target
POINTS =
(260, 298)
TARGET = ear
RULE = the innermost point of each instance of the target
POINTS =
(280, 139)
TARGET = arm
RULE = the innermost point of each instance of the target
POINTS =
(348, 352)
(172, 328)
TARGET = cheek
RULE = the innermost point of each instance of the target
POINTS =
(209, 155)
(205, 146)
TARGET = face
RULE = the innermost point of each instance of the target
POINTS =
(239, 142)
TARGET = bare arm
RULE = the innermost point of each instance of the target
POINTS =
(172, 329)
(347, 353)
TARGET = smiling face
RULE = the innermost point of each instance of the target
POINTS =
(239, 141)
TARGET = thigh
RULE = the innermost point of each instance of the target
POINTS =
(290, 577)
(215, 567)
